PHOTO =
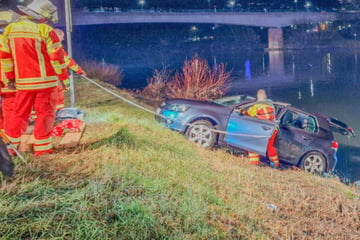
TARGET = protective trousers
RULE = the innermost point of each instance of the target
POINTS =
(271, 152)
(7, 108)
(43, 101)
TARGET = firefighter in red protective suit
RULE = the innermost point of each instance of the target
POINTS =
(70, 64)
(7, 95)
(35, 66)
(264, 110)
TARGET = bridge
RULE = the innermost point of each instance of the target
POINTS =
(255, 19)
(275, 21)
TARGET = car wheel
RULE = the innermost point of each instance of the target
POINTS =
(201, 132)
(313, 162)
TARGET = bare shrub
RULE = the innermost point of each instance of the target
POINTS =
(105, 72)
(156, 84)
(198, 81)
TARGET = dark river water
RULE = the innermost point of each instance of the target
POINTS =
(324, 80)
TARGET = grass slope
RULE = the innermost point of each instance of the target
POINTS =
(134, 179)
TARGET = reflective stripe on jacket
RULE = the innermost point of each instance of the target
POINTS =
(264, 111)
(3, 64)
(36, 55)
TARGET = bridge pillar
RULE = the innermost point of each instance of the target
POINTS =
(275, 38)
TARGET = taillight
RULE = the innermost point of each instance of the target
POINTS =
(334, 145)
(351, 130)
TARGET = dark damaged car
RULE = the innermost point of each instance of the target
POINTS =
(305, 139)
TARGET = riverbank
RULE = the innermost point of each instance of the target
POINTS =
(133, 179)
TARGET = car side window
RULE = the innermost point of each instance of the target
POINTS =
(242, 109)
(312, 125)
(299, 120)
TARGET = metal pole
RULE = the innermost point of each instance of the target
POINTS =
(69, 47)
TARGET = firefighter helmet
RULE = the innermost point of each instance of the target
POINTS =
(40, 9)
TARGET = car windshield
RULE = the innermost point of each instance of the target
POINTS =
(232, 100)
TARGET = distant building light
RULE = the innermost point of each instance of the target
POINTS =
(323, 27)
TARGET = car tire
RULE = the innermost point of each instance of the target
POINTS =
(314, 162)
(202, 133)
(6, 163)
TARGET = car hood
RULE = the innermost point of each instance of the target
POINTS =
(216, 113)
(199, 104)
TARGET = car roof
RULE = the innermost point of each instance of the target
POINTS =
(234, 100)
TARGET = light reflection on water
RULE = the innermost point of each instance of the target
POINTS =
(321, 80)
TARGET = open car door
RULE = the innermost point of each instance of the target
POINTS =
(340, 127)
(248, 133)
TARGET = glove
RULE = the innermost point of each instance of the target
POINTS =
(65, 84)
(11, 84)
(81, 72)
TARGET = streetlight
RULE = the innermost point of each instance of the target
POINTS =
(307, 5)
(296, 2)
(209, 3)
(231, 4)
(142, 3)
(194, 30)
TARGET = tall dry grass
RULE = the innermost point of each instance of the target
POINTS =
(197, 80)
(132, 179)
(105, 72)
